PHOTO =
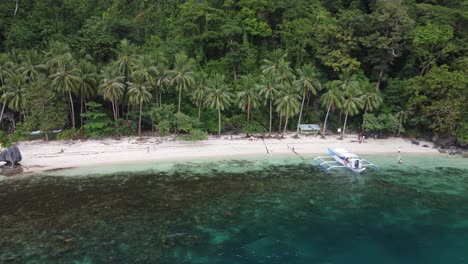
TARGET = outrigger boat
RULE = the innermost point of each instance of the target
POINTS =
(341, 158)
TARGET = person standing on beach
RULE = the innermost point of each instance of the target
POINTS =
(399, 149)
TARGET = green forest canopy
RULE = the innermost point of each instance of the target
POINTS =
(116, 67)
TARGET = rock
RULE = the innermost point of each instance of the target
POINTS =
(465, 155)
(444, 141)
(442, 151)
(425, 146)
(10, 171)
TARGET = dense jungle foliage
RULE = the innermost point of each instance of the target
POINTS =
(114, 67)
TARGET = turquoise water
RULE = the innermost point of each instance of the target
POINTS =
(262, 210)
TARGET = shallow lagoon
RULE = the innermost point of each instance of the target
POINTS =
(255, 210)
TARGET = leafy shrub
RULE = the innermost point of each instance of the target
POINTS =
(254, 127)
(195, 135)
(71, 133)
(96, 122)
(4, 140)
(19, 134)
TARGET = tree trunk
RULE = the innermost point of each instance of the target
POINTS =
(400, 126)
(379, 80)
(81, 108)
(325, 122)
(1, 114)
(72, 109)
(248, 111)
(286, 122)
(344, 127)
(280, 122)
(219, 122)
(180, 97)
(364, 121)
(300, 113)
(139, 119)
(199, 111)
(271, 114)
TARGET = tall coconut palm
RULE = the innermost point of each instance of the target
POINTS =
(58, 52)
(352, 103)
(248, 97)
(182, 75)
(112, 88)
(219, 96)
(371, 100)
(273, 64)
(145, 65)
(348, 80)
(161, 81)
(402, 115)
(15, 87)
(288, 104)
(65, 79)
(308, 82)
(199, 92)
(139, 93)
(6, 70)
(331, 99)
(86, 83)
(269, 88)
(126, 58)
(32, 65)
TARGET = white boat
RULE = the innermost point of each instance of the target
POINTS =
(342, 158)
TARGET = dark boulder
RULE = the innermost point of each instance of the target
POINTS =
(12, 156)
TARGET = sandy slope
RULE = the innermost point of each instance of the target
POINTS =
(39, 155)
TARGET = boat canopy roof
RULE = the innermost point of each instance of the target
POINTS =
(343, 153)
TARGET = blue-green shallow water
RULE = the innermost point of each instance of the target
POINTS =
(240, 211)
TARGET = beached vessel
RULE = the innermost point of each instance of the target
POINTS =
(342, 158)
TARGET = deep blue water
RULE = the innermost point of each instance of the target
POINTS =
(240, 211)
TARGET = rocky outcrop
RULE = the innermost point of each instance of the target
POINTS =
(12, 157)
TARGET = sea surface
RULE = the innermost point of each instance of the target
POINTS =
(252, 210)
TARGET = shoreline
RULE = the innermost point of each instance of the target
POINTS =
(40, 156)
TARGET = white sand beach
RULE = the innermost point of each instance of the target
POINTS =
(41, 156)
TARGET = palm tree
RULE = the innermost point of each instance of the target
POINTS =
(126, 59)
(86, 82)
(269, 88)
(5, 72)
(66, 80)
(58, 52)
(182, 74)
(161, 80)
(371, 100)
(288, 104)
(307, 82)
(5, 69)
(403, 115)
(145, 66)
(274, 63)
(351, 104)
(200, 91)
(139, 93)
(348, 80)
(32, 65)
(112, 88)
(218, 96)
(248, 97)
(15, 87)
(332, 98)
